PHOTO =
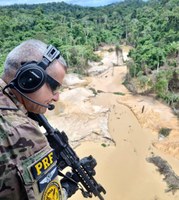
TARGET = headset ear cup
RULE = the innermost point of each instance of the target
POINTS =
(29, 78)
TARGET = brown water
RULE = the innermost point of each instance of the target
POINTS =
(122, 169)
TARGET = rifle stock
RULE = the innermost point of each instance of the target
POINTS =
(82, 169)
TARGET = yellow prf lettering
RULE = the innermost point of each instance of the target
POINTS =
(50, 156)
(45, 162)
(38, 167)
(42, 165)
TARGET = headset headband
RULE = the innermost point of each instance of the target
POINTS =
(49, 56)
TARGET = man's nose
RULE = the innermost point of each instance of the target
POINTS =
(56, 96)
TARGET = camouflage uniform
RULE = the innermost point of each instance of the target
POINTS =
(27, 163)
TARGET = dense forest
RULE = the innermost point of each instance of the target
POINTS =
(150, 27)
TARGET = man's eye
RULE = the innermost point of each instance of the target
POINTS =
(54, 85)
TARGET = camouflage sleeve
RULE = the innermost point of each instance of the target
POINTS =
(21, 144)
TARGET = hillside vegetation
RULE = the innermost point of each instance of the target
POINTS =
(151, 28)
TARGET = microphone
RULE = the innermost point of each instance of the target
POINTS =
(49, 106)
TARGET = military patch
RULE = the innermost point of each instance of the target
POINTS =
(47, 178)
(43, 164)
(52, 192)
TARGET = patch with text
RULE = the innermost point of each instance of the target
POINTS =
(43, 164)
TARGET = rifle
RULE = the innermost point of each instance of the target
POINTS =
(82, 169)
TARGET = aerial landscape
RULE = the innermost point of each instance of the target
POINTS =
(120, 97)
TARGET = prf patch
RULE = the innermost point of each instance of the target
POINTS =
(52, 191)
(43, 164)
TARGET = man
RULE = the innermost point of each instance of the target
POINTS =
(33, 73)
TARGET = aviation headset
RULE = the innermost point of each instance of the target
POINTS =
(32, 75)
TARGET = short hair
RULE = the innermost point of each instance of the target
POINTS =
(27, 51)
